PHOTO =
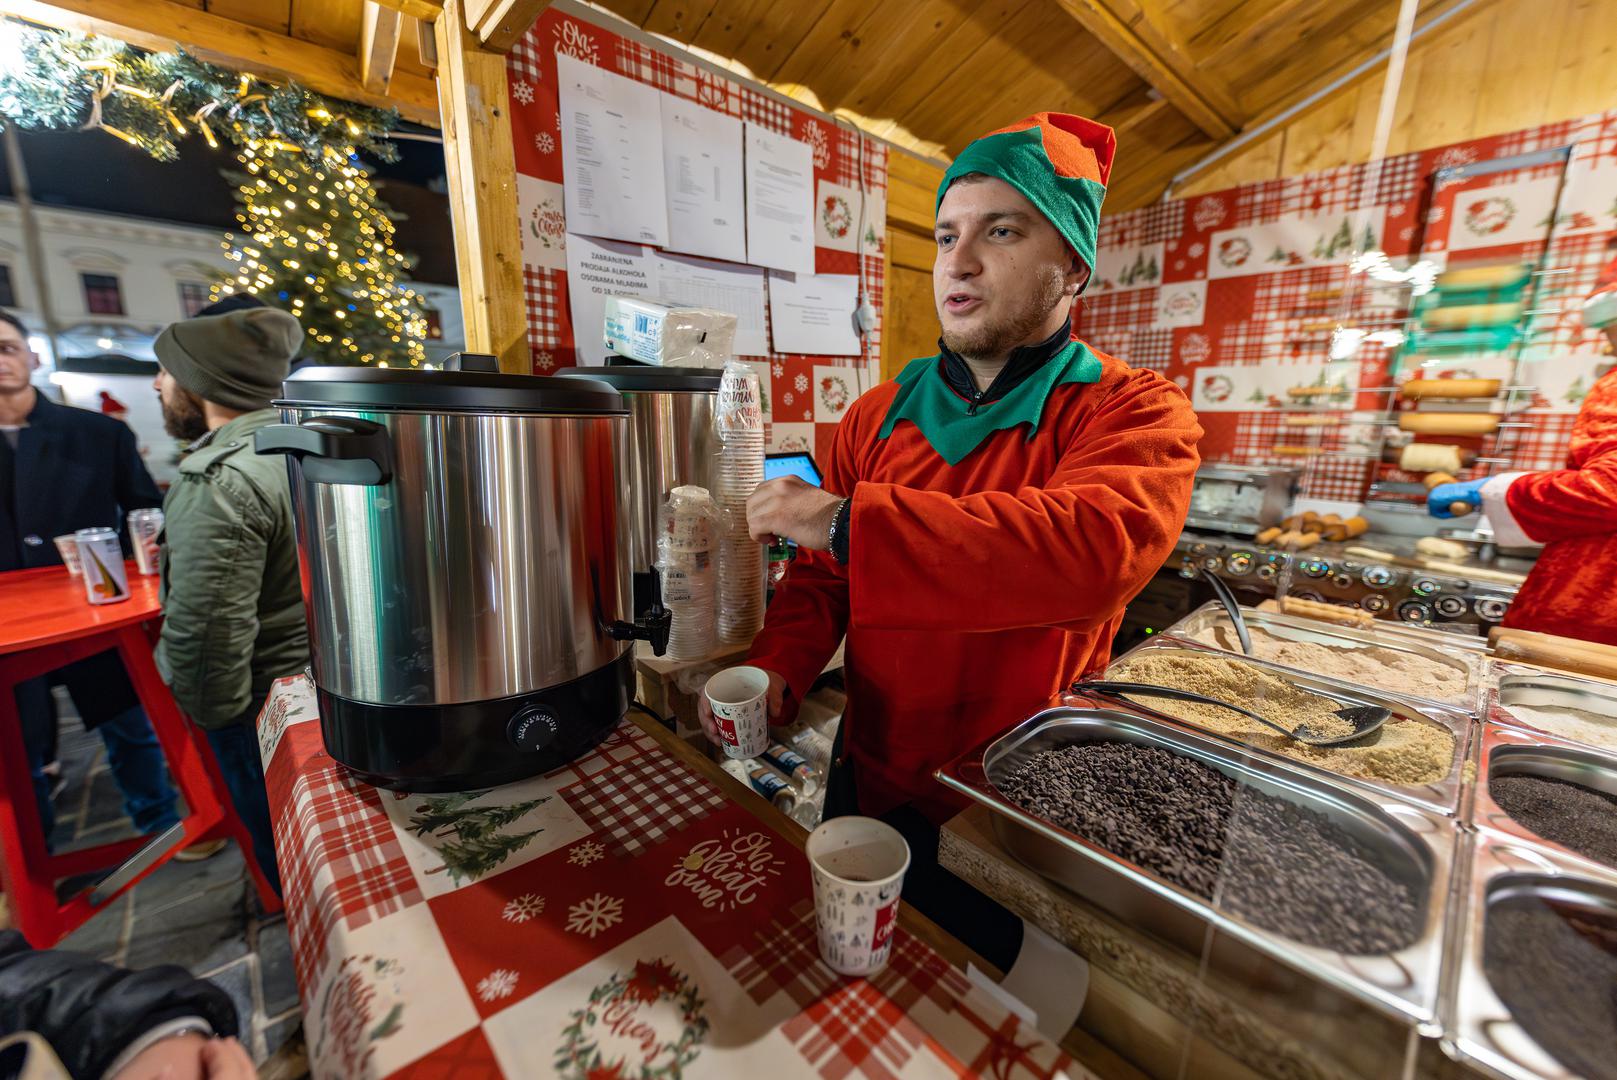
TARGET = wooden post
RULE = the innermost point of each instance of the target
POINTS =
(481, 166)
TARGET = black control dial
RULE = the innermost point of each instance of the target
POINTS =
(1375, 602)
(1491, 608)
(1415, 611)
(1342, 581)
(1424, 587)
(534, 727)
(1450, 607)
(1378, 577)
(1315, 567)
(1239, 562)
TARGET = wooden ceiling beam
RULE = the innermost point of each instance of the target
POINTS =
(500, 24)
(1123, 28)
(425, 10)
(379, 32)
(163, 24)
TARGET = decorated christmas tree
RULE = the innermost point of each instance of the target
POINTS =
(477, 846)
(316, 240)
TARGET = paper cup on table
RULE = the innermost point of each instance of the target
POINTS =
(68, 547)
(740, 700)
(858, 865)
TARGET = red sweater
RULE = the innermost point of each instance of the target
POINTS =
(1573, 513)
(974, 592)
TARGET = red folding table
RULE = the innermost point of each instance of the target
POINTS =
(45, 623)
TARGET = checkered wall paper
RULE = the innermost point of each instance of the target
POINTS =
(841, 157)
(1277, 285)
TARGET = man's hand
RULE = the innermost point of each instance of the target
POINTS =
(776, 696)
(191, 1057)
(793, 510)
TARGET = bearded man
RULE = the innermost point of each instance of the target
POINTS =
(233, 617)
(987, 514)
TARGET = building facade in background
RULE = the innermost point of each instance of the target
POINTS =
(114, 283)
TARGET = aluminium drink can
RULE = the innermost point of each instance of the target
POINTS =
(102, 560)
(144, 525)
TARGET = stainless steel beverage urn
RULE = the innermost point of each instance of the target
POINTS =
(462, 537)
(673, 440)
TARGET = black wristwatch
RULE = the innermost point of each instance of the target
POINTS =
(837, 538)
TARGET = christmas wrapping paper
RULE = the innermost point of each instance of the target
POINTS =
(618, 917)
(1234, 294)
(806, 395)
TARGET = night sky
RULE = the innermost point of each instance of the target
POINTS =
(92, 170)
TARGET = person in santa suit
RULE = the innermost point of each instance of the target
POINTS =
(987, 514)
(1572, 512)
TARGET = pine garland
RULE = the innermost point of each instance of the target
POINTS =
(62, 80)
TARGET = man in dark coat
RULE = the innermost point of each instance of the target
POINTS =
(63, 469)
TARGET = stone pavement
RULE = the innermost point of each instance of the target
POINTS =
(202, 915)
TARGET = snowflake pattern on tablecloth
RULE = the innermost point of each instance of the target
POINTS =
(594, 914)
(788, 398)
(544, 361)
(808, 414)
(545, 142)
(814, 135)
(1434, 215)
(1196, 250)
(522, 91)
(498, 983)
(520, 909)
(801, 382)
(779, 369)
(587, 852)
(572, 41)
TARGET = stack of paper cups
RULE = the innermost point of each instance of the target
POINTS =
(741, 469)
(687, 534)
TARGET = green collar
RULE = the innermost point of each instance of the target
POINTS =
(946, 420)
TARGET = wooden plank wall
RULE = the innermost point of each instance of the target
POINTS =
(1512, 64)
(909, 317)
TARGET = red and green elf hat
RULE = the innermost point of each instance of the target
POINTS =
(1059, 161)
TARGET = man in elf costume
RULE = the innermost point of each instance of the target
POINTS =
(1571, 511)
(987, 514)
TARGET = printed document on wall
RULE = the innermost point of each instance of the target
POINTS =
(813, 314)
(685, 280)
(597, 269)
(780, 201)
(612, 154)
(702, 175)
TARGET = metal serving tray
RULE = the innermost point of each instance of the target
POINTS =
(1509, 751)
(1339, 637)
(1512, 685)
(1449, 795)
(1416, 841)
(1478, 1029)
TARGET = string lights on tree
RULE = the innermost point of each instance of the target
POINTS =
(315, 239)
(313, 236)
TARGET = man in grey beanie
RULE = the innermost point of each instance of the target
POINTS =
(232, 605)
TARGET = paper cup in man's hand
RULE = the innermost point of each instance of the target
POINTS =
(740, 700)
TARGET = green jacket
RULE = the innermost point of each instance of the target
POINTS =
(232, 603)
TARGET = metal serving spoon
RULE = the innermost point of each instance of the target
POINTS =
(1227, 598)
(1364, 718)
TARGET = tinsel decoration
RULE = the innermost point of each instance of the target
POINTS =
(59, 80)
(315, 239)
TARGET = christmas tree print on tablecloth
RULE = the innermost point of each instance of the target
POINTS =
(477, 846)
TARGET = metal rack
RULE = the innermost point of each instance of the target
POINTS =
(1514, 396)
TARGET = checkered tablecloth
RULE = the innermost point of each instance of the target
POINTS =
(619, 917)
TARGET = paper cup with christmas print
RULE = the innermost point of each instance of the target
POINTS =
(858, 865)
(740, 700)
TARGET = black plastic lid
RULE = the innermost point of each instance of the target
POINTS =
(647, 379)
(447, 391)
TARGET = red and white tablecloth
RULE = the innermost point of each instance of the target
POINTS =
(619, 917)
